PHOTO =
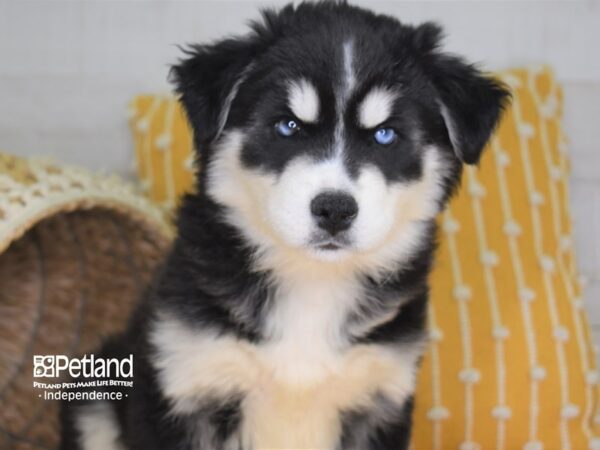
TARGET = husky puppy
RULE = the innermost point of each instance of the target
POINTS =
(290, 313)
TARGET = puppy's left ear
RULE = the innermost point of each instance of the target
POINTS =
(207, 81)
(470, 102)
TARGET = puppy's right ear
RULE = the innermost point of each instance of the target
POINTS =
(207, 80)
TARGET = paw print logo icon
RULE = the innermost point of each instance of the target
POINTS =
(43, 366)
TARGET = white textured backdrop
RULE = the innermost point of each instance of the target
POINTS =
(68, 69)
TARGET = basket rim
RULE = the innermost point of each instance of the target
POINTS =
(78, 189)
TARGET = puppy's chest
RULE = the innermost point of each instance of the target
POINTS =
(292, 386)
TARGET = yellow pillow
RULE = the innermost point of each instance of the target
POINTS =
(511, 364)
(163, 147)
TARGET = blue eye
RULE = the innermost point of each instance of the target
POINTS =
(287, 127)
(385, 136)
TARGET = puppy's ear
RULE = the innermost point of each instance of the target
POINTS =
(207, 81)
(470, 102)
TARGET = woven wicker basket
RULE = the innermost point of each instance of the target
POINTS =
(75, 252)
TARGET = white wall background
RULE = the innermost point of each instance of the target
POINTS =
(68, 69)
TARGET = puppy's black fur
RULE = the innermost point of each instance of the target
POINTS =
(210, 279)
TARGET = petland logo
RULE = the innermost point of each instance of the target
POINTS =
(91, 378)
(89, 366)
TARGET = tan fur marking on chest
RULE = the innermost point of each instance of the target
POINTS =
(277, 413)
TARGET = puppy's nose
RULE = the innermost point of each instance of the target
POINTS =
(334, 211)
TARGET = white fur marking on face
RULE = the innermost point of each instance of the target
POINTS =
(391, 219)
(376, 107)
(304, 101)
(288, 203)
(243, 191)
(98, 427)
(272, 211)
(349, 79)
